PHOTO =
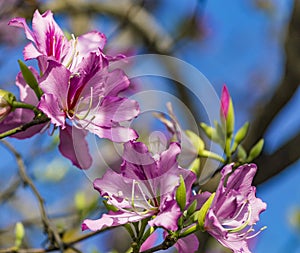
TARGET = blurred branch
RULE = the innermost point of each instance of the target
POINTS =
(137, 17)
(273, 164)
(49, 228)
(288, 153)
(267, 111)
(65, 245)
(155, 37)
(10, 190)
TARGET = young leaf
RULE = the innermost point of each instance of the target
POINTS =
(181, 194)
(30, 79)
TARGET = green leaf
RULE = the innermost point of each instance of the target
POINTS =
(240, 136)
(197, 142)
(19, 234)
(30, 79)
(181, 194)
(203, 211)
(256, 150)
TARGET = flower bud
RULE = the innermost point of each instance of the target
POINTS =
(6, 101)
(227, 111)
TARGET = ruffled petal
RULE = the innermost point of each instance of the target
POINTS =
(30, 52)
(115, 109)
(55, 81)
(21, 22)
(168, 158)
(188, 244)
(49, 105)
(115, 134)
(112, 219)
(90, 42)
(74, 146)
(167, 217)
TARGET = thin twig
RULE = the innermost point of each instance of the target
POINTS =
(49, 228)
(22, 128)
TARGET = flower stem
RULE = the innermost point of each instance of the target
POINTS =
(17, 104)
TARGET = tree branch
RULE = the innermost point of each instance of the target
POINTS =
(266, 112)
(137, 17)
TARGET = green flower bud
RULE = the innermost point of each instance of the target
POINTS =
(19, 233)
(197, 142)
(181, 194)
(6, 103)
(256, 150)
(203, 211)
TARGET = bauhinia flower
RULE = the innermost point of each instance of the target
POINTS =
(235, 209)
(49, 42)
(145, 188)
(88, 99)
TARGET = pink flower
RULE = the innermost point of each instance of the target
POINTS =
(49, 42)
(89, 98)
(146, 187)
(235, 209)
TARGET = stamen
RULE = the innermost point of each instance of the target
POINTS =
(74, 53)
(244, 224)
(89, 107)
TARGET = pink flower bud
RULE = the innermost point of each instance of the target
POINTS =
(225, 100)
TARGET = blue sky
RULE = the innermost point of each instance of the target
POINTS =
(243, 45)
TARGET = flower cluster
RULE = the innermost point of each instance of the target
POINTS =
(76, 93)
(74, 88)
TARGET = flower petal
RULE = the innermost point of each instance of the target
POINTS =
(116, 134)
(115, 109)
(167, 217)
(74, 146)
(186, 244)
(90, 42)
(55, 81)
(112, 219)
(49, 105)
(21, 22)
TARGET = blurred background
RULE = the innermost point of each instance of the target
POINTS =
(251, 45)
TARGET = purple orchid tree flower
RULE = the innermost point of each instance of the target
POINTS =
(145, 188)
(235, 209)
(49, 42)
(89, 100)
(22, 116)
